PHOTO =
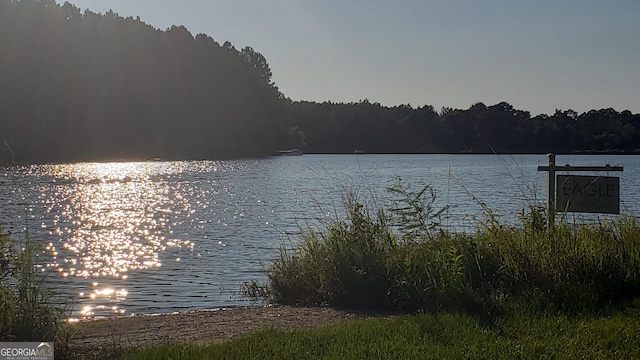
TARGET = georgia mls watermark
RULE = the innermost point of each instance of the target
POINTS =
(26, 350)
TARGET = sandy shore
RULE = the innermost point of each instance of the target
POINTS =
(95, 336)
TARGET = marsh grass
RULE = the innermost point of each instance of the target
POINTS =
(400, 259)
(344, 266)
(27, 308)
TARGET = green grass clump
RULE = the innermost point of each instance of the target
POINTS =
(401, 259)
(344, 267)
(27, 312)
(568, 268)
(430, 336)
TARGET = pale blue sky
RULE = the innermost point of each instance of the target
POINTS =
(537, 55)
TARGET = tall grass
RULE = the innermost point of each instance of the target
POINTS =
(400, 259)
(569, 268)
(345, 266)
(27, 312)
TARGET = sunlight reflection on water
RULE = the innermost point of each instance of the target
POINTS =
(150, 237)
(113, 218)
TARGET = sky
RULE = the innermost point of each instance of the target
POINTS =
(538, 56)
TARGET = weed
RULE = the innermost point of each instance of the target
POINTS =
(359, 262)
(255, 291)
(26, 310)
(412, 213)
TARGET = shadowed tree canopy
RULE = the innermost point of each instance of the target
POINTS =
(84, 86)
(342, 128)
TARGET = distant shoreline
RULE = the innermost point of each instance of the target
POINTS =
(134, 160)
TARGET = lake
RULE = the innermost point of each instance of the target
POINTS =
(154, 237)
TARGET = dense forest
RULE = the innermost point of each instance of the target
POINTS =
(85, 86)
(330, 128)
(82, 86)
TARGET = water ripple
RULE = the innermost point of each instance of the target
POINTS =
(144, 237)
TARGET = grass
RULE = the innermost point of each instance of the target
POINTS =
(24, 301)
(27, 312)
(431, 336)
(399, 259)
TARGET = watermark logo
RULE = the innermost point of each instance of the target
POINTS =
(26, 350)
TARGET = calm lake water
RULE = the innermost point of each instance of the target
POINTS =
(156, 237)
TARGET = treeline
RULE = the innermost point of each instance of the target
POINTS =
(78, 86)
(342, 128)
(85, 86)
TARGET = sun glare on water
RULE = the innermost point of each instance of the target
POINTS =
(111, 219)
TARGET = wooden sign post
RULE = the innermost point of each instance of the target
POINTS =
(592, 194)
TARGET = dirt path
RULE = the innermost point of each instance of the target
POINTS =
(97, 336)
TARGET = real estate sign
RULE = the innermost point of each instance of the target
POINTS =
(589, 194)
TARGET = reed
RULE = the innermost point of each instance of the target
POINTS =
(27, 312)
(345, 266)
(400, 259)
